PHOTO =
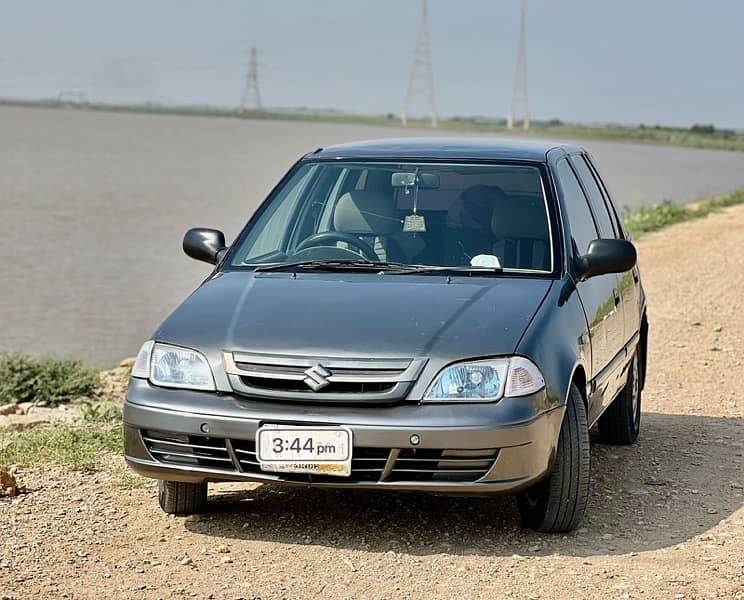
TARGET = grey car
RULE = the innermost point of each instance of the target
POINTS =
(433, 315)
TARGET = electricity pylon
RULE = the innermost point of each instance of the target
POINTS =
(519, 107)
(251, 95)
(421, 82)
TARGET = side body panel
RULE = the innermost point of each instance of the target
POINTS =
(604, 327)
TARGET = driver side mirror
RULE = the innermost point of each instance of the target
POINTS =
(203, 244)
(606, 256)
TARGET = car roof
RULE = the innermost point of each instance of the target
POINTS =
(490, 148)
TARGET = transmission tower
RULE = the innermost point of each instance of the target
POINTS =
(421, 82)
(251, 95)
(519, 107)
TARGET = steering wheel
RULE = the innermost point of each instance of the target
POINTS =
(326, 237)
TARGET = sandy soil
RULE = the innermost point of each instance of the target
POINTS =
(665, 520)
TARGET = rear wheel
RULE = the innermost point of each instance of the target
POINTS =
(621, 422)
(557, 503)
(180, 498)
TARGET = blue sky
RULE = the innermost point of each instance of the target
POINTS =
(673, 62)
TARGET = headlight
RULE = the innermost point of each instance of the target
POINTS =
(485, 381)
(173, 366)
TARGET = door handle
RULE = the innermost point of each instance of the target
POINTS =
(635, 274)
(616, 296)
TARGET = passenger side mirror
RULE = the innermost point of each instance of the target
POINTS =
(606, 256)
(204, 244)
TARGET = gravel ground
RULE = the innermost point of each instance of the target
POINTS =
(665, 518)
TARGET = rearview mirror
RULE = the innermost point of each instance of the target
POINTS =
(204, 244)
(606, 256)
(425, 181)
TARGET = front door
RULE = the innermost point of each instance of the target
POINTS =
(599, 295)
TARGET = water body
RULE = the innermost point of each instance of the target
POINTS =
(93, 207)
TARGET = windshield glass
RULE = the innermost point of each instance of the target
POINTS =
(443, 215)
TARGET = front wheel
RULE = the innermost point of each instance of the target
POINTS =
(181, 498)
(557, 503)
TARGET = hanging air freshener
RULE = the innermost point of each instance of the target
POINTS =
(414, 223)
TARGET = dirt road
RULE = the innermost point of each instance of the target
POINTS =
(665, 519)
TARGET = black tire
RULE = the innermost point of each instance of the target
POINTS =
(621, 422)
(179, 498)
(557, 503)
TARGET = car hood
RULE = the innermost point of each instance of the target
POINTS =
(356, 314)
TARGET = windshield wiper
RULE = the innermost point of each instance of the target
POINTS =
(379, 266)
(336, 265)
(454, 270)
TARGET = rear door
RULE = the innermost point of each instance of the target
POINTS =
(599, 295)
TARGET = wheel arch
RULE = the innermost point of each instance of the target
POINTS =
(578, 377)
(557, 341)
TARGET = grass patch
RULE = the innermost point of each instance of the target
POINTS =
(658, 216)
(101, 412)
(75, 447)
(126, 478)
(49, 380)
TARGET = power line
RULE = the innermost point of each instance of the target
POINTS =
(251, 95)
(519, 106)
(421, 82)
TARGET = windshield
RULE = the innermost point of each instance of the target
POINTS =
(464, 216)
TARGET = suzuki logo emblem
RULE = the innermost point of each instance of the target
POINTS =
(317, 377)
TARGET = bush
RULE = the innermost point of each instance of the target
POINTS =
(49, 380)
(101, 412)
(703, 129)
(651, 218)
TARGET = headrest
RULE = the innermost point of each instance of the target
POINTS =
(520, 217)
(364, 212)
(473, 209)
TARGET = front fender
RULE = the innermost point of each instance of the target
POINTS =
(557, 340)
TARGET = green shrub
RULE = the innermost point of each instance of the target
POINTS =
(651, 218)
(51, 380)
(730, 199)
(101, 412)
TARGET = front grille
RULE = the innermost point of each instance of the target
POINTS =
(282, 371)
(442, 465)
(334, 387)
(245, 452)
(367, 464)
(321, 379)
(188, 450)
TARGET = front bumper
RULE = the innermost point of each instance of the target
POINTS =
(518, 434)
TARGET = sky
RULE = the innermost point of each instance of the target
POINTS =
(669, 62)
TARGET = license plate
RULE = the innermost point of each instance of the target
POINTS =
(289, 449)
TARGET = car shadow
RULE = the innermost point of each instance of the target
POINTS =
(680, 479)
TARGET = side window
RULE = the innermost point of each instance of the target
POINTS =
(616, 221)
(596, 199)
(579, 216)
